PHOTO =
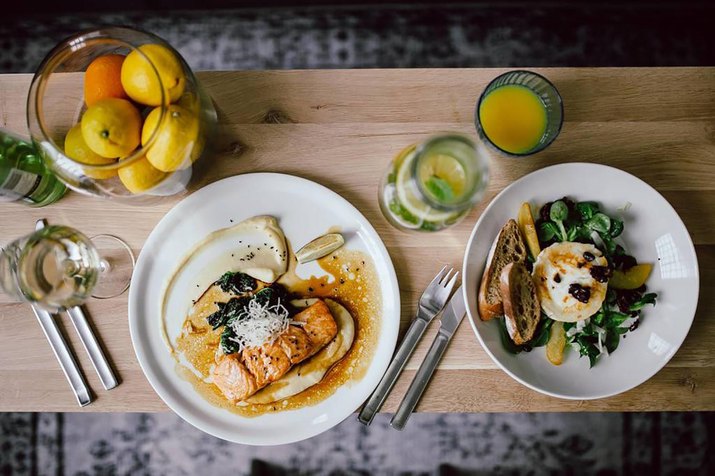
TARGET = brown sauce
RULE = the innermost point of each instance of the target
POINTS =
(354, 284)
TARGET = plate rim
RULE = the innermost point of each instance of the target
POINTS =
(472, 239)
(154, 379)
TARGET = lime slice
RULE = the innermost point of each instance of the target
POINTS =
(410, 201)
(319, 247)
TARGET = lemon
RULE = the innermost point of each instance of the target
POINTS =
(111, 127)
(140, 176)
(189, 101)
(76, 148)
(319, 247)
(409, 197)
(443, 176)
(177, 142)
(140, 80)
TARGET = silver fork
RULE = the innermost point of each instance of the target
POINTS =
(430, 304)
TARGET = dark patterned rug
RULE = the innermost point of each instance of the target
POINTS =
(523, 34)
(439, 444)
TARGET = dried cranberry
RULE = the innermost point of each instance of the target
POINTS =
(601, 273)
(580, 293)
(634, 326)
(588, 256)
(545, 212)
(624, 262)
(625, 297)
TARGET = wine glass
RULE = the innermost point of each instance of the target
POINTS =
(58, 267)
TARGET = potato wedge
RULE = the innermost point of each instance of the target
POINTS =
(528, 229)
(557, 343)
(634, 278)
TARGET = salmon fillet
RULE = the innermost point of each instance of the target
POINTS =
(233, 378)
(240, 376)
(318, 323)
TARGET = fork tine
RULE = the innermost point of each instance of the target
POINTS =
(445, 292)
(437, 279)
(452, 282)
(446, 277)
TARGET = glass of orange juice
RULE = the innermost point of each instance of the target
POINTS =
(519, 113)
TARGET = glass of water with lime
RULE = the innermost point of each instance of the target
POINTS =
(433, 185)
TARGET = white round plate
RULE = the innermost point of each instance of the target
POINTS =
(304, 210)
(654, 233)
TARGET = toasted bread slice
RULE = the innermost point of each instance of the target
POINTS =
(522, 311)
(508, 248)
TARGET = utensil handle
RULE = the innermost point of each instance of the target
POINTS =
(422, 378)
(91, 345)
(407, 346)
(64, 355)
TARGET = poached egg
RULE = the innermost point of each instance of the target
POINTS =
(562, 272)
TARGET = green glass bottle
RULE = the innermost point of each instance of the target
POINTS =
(23, 175)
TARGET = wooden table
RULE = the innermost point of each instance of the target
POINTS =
(340, 128)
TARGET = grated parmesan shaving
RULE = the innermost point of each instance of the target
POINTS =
(259, 324)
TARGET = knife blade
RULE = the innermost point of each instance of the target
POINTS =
(451, 318)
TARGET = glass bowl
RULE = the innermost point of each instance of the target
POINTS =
(164, 91)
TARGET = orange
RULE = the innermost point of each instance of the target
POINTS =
(103, 79)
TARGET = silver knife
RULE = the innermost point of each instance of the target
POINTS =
(452, 317)
(64, 355)
(88, 339)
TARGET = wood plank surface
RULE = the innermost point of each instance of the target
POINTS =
(340, 129)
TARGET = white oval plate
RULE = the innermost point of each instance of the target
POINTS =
(654, 233)
(304, 211)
